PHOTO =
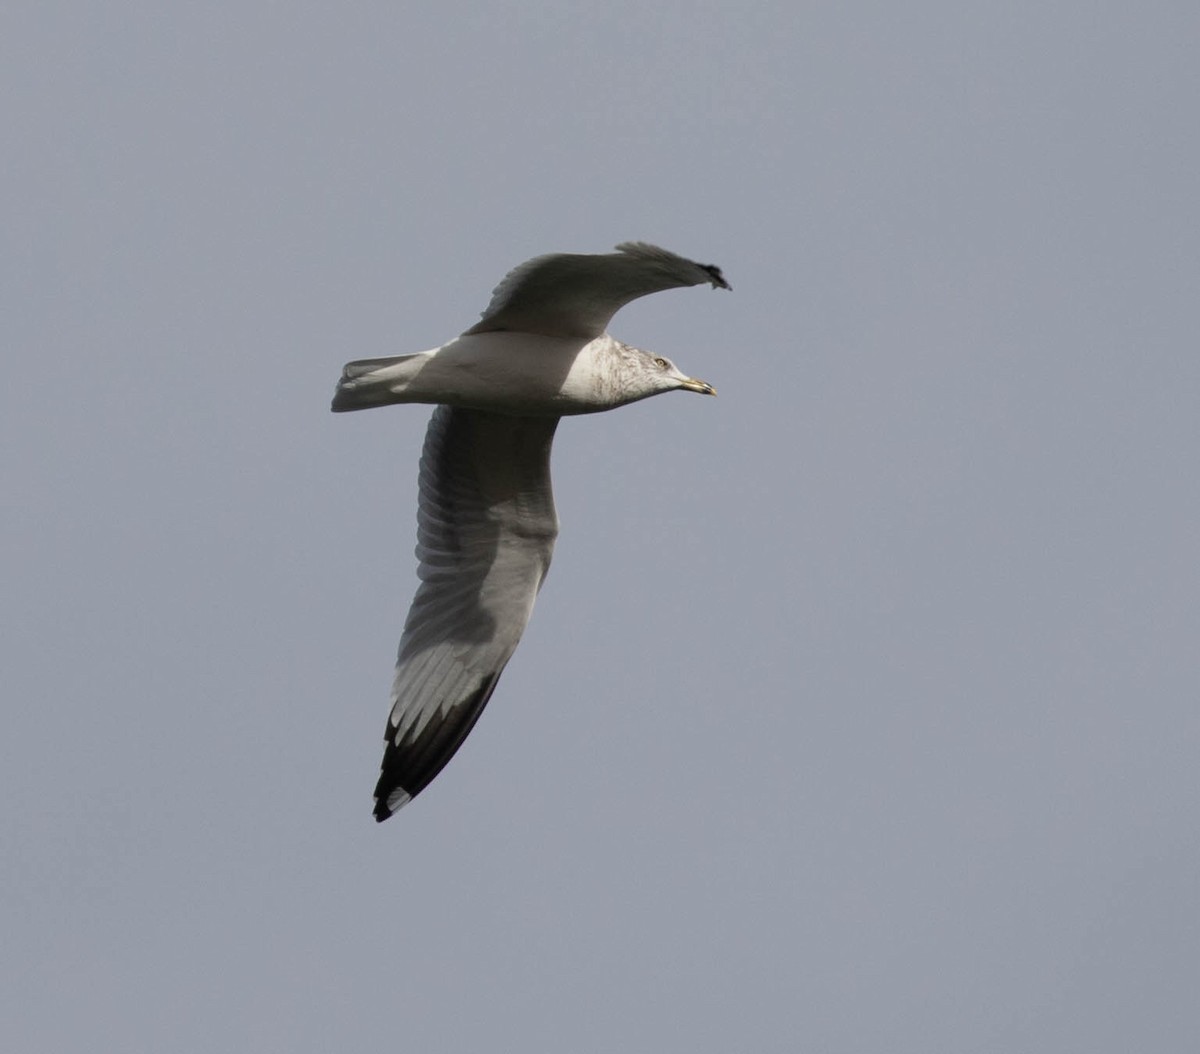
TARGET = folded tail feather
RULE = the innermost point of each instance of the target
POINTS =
(371, 382)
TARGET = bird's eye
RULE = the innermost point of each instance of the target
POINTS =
(662, 364)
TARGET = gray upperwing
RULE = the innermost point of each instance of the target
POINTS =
(577, 294)
(486, 532)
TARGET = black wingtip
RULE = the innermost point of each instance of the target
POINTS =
(410, 766)
(390, 798)
(715, 276)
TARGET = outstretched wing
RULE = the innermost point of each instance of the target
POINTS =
(486, 531)
(576, 294)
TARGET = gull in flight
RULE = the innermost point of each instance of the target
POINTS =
(486, 523)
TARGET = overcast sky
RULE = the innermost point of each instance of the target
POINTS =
(859, 710)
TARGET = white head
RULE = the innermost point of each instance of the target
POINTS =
(629, 374)
(670, 377)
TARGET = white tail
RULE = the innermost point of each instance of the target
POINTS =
(376, 382)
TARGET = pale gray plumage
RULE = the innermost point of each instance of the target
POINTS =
(486, 519)
(577, 294)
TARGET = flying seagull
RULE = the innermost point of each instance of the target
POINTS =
(486, 523)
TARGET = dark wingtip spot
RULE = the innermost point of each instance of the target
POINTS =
(714, 273)
(409, 767)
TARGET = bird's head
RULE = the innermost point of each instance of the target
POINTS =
(665, 376)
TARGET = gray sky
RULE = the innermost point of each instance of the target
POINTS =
(859, 710)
